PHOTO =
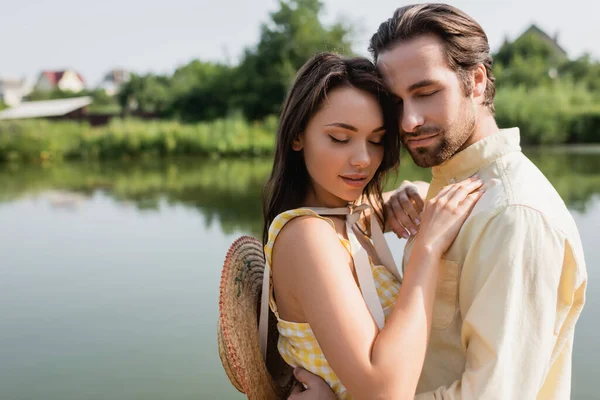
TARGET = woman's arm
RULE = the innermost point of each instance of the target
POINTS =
(311, 265)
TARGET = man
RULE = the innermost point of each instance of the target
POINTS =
(513, 284)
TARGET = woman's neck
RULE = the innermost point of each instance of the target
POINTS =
(321, 198)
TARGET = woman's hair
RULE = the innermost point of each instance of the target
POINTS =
(289, 183)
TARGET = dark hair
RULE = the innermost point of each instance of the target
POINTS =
(465, 42)
(289, 182)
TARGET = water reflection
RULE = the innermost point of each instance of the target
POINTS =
(228, 191)
(127, 301)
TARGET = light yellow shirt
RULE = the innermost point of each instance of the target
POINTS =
(511, 286)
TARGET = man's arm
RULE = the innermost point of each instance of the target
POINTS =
(517, 292)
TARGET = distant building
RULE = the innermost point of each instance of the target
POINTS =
(113, 80)
(553, 41)
(73, 108)
(65, 80)
(12, 91)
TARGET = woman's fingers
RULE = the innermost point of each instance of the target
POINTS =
(468, 203)
(456, 197)
(459, 190)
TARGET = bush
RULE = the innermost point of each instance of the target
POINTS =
(544, 114)
(585, 126)
(36, 140)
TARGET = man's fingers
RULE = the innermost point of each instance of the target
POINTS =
(400, 213)
(410, 211)
(416, 199)
(298, 388)
(308, 379)
(316, 387)
(395, 225)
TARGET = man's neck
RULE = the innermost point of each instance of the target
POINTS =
(484, 127)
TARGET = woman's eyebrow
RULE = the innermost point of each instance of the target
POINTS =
(353, 128)
(343, 126)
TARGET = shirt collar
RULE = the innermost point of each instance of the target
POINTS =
(481, 153)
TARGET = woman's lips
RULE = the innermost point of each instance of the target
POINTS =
(355, 180)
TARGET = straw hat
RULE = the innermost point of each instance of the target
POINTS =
(239, 305)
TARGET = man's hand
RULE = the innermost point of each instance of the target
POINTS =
(316, 388)
(404, 207)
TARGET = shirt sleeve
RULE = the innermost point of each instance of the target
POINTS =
(517, 293)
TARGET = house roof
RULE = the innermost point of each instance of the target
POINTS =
(540, 33)
(55, 76)
(12, 81)
(117, 76)
(46, 108)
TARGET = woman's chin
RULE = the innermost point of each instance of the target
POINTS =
(352, 197)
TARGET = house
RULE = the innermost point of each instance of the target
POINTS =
(73, 108)
(113, 80)
(553, 41)
(65, 80)
(12, 91)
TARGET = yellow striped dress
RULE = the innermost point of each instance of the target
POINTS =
(297, 343)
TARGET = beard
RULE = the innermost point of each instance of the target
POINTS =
(450, 140)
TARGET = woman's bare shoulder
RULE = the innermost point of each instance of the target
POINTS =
(308, 240)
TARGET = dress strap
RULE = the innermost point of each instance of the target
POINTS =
(361, 263)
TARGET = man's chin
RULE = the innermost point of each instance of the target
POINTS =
(423, 159)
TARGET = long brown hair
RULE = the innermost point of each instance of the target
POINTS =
(289, 183)
(465, 41)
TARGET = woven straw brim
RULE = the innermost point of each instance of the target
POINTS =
(239, 302)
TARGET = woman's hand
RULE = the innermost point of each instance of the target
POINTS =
(404, 207)
(445, 214)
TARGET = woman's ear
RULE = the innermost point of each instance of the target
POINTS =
(298, 142)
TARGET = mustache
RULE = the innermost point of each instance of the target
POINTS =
(423, 131)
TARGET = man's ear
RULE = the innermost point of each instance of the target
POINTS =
(298, 142)
(479, 83)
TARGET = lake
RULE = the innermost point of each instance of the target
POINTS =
(109, 272)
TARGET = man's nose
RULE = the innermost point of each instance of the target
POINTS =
(411, 119)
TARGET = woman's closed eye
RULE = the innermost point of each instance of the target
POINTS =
(336, 140)
(376, 142)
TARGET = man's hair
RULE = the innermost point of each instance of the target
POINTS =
(466, 44)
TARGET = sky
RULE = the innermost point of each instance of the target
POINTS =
(157, 36)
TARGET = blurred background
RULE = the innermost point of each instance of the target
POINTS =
(135, 138)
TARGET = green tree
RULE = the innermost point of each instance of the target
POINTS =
(530, 61)
(201, 91)
(149, 94)
(294, 33)
(583, 70)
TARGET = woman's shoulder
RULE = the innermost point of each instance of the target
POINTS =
(299, 230)
(296, 221)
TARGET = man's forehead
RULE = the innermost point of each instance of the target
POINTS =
(411, 59)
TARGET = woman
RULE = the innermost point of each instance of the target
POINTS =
(337, 139)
